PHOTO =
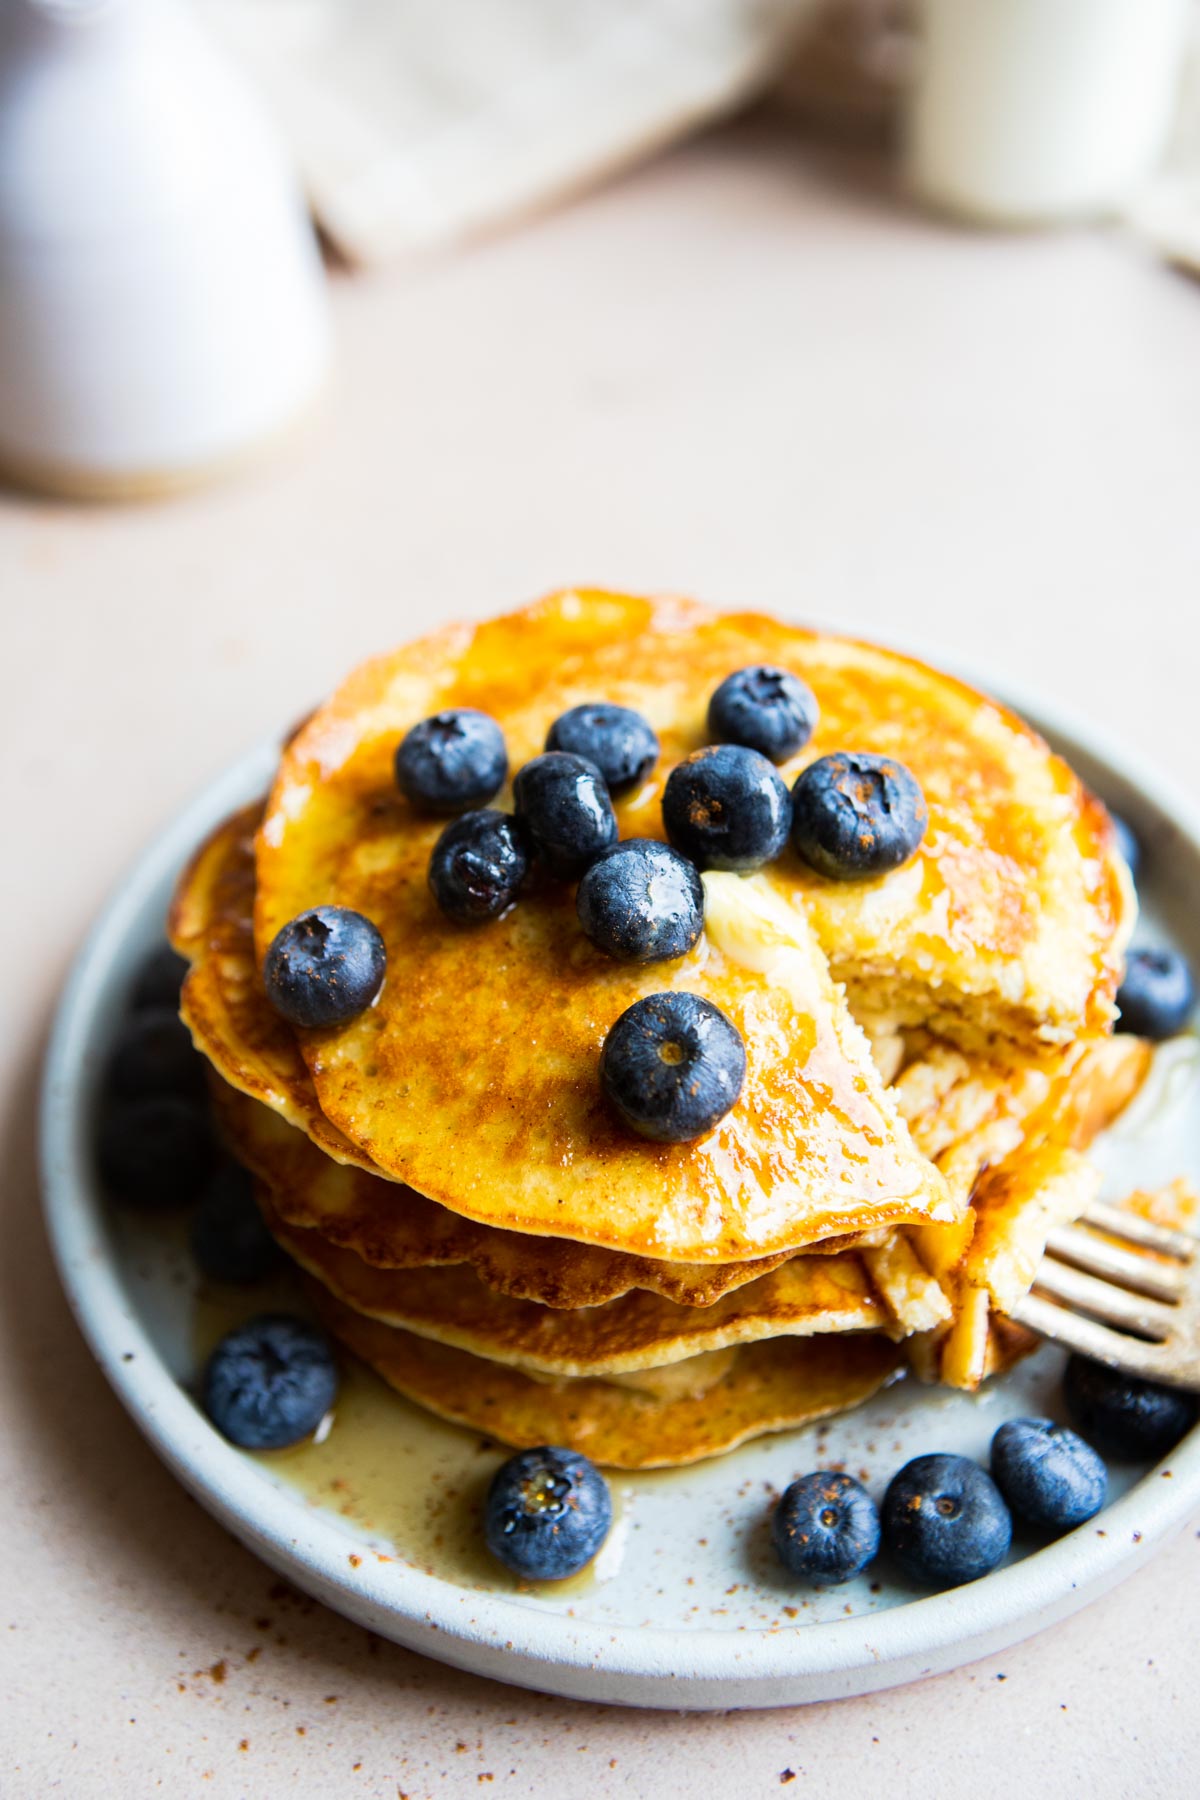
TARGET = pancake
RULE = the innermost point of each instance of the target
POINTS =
(809, 1296)
(711, 1404)
(970, 1113)
(391, 1227)
(255, 1052)
(1009, 922)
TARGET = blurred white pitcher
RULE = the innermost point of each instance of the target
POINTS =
(162, 303)
(1027, 111)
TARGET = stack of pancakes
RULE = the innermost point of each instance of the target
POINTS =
(928, 1053)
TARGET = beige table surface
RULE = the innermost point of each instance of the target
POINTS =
(741, 374)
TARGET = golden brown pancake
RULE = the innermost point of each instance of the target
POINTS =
(807, 1297)
(962, 1111)
(1010, 920)
(256, 1053)
(392, 1227)
(757, 1388)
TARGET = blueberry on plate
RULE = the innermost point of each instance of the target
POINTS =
(1047, 1474)
(154, 1054)
(726, 808)
(324, 967)
(825, 1527)
(854, 816)
(618, 740)
(944, 1520)
(230, 1240)
(766, 709)
(156, 1152)
(1157, 994)
(547, 1513)
(478, 865)
(452, 762)
(673, 1065)
(1127, 843)
(643, 902)
(1122, 1415)
(564, 805)
(158, 981)
(269, 1383)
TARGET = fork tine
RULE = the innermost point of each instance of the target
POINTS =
(1136, 1230)
(1091, 1339)
(1132, 1268)
(1132, 1312)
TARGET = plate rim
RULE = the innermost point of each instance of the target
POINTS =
(509, 1638)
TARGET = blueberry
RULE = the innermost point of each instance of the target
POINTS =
(270, 1383)
(825, 1527)
(673, 1066)
(230, 1240)
(643, 902)
(547, 1513)
(854, 816)
(154, 1054)
(452, 762)
(618, 740)
(478, 865)
(156, 1152)
(1047, 1474)
(1127, 843)
(324, 967)
(944, 1520)
(1157, 994)
(769, 710)
(726, 808)
(564, 805)
(158, 981)
(1122, 1415)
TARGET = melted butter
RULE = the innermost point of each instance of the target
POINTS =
(412, 1484)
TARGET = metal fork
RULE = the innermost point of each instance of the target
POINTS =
(1113, 1303)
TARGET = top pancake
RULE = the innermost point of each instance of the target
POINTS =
(474, 1078)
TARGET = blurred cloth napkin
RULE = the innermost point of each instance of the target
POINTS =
(417, 123)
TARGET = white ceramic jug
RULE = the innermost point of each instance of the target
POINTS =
(162, 303)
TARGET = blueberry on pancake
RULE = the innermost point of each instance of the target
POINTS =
(825, 1527)
(1049, 1476)
(547, 1513)
(620, 742)
(725, 808)
(269, 1384)
(643, 902)
(854, 816)
(453, 761)
(673, 1065)
(478, 865)
(564, 805)
(1123, 1415)
(766, 709)
(1156, 995)
(324, 967)
(944, 1521)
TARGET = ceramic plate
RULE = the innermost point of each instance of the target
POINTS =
(685, 1606)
